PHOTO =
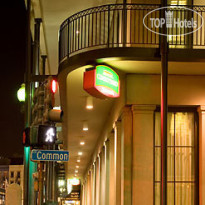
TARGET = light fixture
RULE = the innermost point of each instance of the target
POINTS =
(76, 171)
(77, 167)
(78, 160)
(85, 126)
(80, 153)
(75, 175)
(21, 93)
(89, 103)
(82, 143)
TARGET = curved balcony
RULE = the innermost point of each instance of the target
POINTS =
(120, 25)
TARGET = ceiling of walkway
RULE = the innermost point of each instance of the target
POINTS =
(53, 14)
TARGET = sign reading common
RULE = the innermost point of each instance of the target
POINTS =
(102, 82)
(49, 155)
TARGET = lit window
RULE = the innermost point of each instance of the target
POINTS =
(181, 158)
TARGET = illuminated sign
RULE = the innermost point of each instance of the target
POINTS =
(102, 82)
(46, 134)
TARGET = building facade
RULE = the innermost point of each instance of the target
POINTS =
(117, 157)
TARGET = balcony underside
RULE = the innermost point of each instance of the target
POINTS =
(108, 55)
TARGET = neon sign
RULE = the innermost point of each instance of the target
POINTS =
(102, 82)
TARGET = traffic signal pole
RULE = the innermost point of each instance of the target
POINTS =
(164, 107)
(27, 102)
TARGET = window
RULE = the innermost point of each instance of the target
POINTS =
(18, 174)
(182, 160)
(12, 174)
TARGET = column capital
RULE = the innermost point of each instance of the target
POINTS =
(143, 108)
(201, 109)
(117, 124)
(126, 111)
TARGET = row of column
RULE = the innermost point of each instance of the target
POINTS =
(123, 171)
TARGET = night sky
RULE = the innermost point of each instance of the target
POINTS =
(12, 64)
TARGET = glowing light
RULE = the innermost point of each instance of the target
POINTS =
(21, 93)
(74, 181)
(80, 153)
(50, 134)
(61, 183)
(89, 103)
(77, 167)
(76, 171)
(85, 126)
(78, 160)
(82, 143)
(54, 86)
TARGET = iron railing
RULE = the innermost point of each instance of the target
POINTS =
(120, 25)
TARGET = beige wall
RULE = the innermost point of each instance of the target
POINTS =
(182, 90)
(127, 170)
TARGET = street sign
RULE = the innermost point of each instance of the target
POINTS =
(49, 155)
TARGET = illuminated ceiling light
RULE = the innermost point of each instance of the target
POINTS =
(76, 171)
(77, 167)
(78, 160)
(82, 143)
(89, 103)
(77, 32)
(80, 153)
(75, 175)
(85, 126)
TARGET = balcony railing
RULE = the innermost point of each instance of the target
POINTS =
(119, 25)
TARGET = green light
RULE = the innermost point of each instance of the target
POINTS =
(21, 93)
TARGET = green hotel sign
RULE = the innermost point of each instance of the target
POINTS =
(102, 81)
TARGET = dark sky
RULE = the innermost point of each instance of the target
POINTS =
(12, 64)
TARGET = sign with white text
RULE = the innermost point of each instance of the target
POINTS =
(102, 82)
(49, 155)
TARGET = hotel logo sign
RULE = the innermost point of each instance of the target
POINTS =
(178, 20)
(102, 82)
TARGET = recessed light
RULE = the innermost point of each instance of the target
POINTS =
(77, 167)
(76, 171)
(85, 126)
(82, 143)
(80, 153)
(78, 160)
(89, 103)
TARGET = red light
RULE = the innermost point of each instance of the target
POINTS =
(53, 86)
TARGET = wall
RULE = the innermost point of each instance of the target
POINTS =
(129, 166)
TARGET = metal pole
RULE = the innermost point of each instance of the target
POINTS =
(36, 52)
(27, 102)
(40, 190)
(164, 108)
(44, 57)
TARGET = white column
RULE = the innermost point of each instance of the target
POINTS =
(126, 162)
(103, 177)
(201, 111)
(112, 188)
(93, 183)
(107, 172)
(98, 181)
(117, 161)
(143, 137)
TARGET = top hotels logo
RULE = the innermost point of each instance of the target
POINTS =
(179, 21)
